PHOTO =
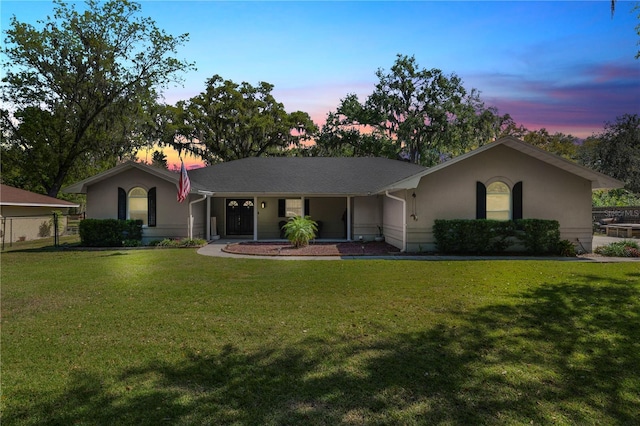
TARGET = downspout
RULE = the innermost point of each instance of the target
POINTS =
(204, 197)
(404, 219)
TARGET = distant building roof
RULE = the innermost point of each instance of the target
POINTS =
(10, 196)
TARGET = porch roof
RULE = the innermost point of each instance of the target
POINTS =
(304, 175)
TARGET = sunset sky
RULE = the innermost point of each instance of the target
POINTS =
(565, 66)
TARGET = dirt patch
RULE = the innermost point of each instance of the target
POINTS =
(315, 249)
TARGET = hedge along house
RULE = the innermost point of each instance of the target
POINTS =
(353, 197)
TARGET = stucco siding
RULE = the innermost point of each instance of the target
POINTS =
(548, 193)
(171, 216)
(367, 217)
(393, 223)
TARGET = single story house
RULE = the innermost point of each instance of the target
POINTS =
(353, 198)
(25, 215)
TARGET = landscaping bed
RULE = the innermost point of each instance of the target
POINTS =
(316, 249)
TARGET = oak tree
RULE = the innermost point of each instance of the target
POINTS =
(422, 115)
(616, 151)
(229, 121)
(79, 87)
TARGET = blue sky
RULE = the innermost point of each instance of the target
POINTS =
(564, 66)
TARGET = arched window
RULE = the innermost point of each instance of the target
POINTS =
(138, 205)
(498, 201)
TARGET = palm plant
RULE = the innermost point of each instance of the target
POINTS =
(299, 230)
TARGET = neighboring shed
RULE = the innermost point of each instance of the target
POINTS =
(26, 215)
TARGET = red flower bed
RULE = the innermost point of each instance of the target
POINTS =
(315, 249)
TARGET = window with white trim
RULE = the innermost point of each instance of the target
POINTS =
(498, 201)
(138, 205)
(293, 207)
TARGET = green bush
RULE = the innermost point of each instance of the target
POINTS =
(300, 230)
(109, 232)
(131, 243)
(473, 236)
(566, 249)
(482, 236)
(185, 242)
(623, 248)
(539, 236)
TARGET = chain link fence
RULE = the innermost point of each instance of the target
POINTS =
(16, 229)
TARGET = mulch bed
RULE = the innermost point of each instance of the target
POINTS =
(314, 249)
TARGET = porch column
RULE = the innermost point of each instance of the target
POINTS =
(208, 219)
(255, 218)
(348, 218)
(302, 208)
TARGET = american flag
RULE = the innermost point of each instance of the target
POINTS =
(184, 186)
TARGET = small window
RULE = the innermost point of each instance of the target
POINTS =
(138, 205)
(293, 207)
(498, 201)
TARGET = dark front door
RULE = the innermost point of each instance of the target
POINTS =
(239, 217)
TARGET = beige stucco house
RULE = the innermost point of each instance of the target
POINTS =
(353, 198)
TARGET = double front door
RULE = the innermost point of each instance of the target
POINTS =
(240, 216)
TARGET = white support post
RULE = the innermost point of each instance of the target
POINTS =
(255, 218)
(208, 219)
(348, 218)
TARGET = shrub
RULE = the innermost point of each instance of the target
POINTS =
(539, 236)
(566, 248)
(131, 243)
(300, 230)
(473, 236)
(168, 242)
(185, 242)
(109, 232)
(193, 242)
(623, 248)
(482, 236)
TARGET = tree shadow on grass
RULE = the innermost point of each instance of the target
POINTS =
(561, 353)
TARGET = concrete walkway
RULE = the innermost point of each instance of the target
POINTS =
(215, 249)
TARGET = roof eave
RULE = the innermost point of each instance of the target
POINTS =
(411, 182)
(81, 187)
(16, 204)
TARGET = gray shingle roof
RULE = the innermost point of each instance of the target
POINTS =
(304, 175)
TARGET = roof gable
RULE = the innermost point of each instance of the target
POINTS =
(598, 180)
(10, 196)
(169, 176)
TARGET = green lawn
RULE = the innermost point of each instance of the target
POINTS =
(170, 337)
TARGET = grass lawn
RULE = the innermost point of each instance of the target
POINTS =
(152, 337)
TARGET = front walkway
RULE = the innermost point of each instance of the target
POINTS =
(215, 249)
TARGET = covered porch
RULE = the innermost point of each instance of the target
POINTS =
(260, 218)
